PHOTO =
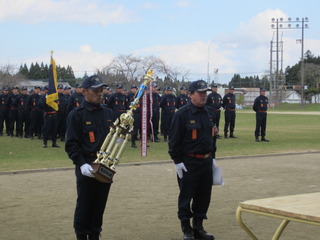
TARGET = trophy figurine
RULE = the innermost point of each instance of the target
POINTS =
(120, 133)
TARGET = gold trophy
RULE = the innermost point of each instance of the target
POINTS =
(120, 133)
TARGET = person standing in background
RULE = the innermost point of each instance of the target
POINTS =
(229, 105)
(260, 106)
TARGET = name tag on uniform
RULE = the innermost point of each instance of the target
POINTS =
(92, 137)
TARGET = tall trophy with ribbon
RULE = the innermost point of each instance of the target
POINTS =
(120, 133)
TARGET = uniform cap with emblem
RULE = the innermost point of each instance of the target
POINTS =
(154, 85)
(134, 86)
(15, 87)
(78, 85)
(5, 89)
(60, 86)
(24, 88)
(183, 88)
(118, 86)
(262, 89)
(231, 88)
(93, 82)
(214, 85)
(37, 86)
(169, 88)
(67, 88)
(198, 86)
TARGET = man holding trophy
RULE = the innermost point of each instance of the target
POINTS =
(87, 127)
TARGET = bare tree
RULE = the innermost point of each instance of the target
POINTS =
(133, 67)
(8, 76)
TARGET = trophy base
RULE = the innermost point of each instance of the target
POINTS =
(102, 173)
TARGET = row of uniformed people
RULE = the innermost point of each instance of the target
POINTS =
(27, 114)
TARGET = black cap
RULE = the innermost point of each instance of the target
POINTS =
(198, 86)
(46, 87)
(5, 89)
(60, 86)
(169, 88)
(93, 82)
(231, 88)
(262, 89)
(78, 85)
(134, 86)
(214, 85)
(183, 88)
(67, 88)
(37, 86)
(24, 88)
(119, 86)
(15, 87)
(154, 84)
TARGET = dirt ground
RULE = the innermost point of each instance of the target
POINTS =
(143, 200)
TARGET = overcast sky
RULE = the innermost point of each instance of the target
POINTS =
(231, 35)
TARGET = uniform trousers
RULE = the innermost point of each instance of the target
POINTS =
(35, 122)
(50, 126)
(136, 124)
(167, 117)
(61, 123)
(23, 124)
(91, 202)
(4, 119)
(13, 119)
(195, 186)
(155, 122)
(230, 119)
(217, 115)
(261, 124)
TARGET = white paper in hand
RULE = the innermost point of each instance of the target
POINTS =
(217, 176)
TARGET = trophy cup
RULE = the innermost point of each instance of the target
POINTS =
(120, 133)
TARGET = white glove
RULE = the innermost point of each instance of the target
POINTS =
(86, 170)
(214, 163)
(179, 168)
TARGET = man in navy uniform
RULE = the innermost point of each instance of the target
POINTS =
(118, 101)
(76, 98)
(136, 115)
(260, 106)
(23, 123)
(49, 123)
(192, 147)
(13, 111)
(214, 101)
(183, 98)
(62, 113)
(4, 110)
(35, 113)
(87, 128)
(229, 105)
(168, 106)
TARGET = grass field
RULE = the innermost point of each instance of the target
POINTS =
(287, 133)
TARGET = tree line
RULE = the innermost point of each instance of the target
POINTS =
(41, 71)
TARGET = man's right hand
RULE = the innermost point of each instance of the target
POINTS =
(86, 170)
(180, 167)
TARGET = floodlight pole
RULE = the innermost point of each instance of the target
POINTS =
(303, 26)
(302, 62)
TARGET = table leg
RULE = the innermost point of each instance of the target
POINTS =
(280, 229)
(241, 223)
